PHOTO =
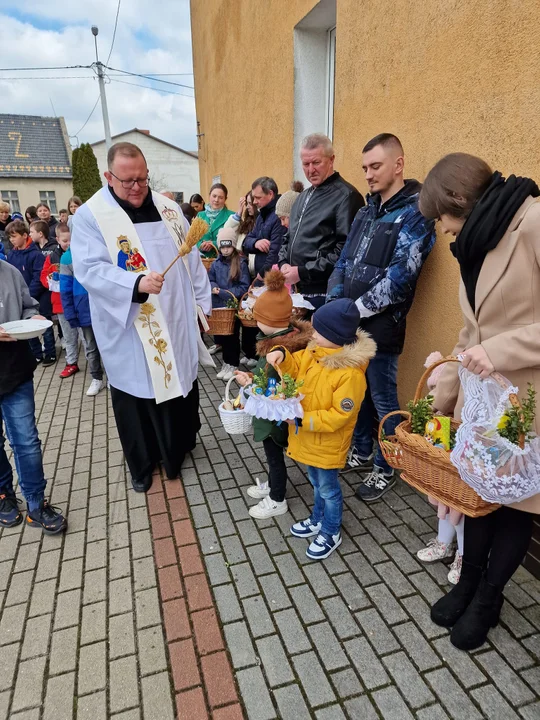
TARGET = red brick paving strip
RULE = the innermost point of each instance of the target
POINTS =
(200, 668)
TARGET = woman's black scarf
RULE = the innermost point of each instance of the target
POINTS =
(487, 223)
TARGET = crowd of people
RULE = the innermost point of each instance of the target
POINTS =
(355, 260)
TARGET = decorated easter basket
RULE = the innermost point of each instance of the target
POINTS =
(272, 407)
(426, 467)
(235, 422)
(245, 314)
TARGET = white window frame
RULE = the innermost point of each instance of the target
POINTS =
(331, 82)
(49, 198)
(12, 198)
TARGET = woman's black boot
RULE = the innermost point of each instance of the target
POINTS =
(471, 630)
(447, 611)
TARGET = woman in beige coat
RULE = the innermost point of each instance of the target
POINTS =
(496, 223)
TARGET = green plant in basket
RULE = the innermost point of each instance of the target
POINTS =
(518, 421)
(289, 387)
(260, 379)
(421, 412)
(232, 304)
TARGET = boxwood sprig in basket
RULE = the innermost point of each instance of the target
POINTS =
(517, 423)
(421, 412)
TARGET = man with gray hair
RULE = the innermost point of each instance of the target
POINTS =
(320, 221)
(264, 241)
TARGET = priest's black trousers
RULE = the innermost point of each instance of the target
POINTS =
(152, 433)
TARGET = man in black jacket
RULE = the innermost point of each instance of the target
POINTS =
(265, 240)
(379, 267)
(320, 221)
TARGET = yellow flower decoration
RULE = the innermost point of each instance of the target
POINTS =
(160, 345)
(147, 309)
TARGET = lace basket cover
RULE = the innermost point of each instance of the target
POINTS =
(499, 471)
(266, 408)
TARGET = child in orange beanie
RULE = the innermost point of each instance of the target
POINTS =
(273, 311)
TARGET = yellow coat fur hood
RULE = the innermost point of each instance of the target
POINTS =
(334, 388)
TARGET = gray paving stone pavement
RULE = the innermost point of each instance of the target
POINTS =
(349, 637)
(81, 630)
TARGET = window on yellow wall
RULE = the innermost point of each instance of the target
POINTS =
(331, 83)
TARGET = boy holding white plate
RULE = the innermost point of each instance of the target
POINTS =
(17, 410)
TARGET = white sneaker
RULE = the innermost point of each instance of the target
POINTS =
(96, 386)
(230, 373)
(213, 349)
(305, 529)
(249, 362)
(259, 491)
(434, 551)
(224, 370)
(268, 508)
(323, 546)
(455, 569)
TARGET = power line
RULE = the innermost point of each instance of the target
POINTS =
(60, 67)
(114, 32)
(87, 119)
(147, 87)
(52, 77)
(149, 77)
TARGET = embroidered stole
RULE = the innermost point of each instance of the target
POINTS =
(123, 243)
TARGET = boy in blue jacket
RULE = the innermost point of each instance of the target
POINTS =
(77, 312)
(28, 259)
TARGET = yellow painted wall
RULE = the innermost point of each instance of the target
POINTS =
(443, 75)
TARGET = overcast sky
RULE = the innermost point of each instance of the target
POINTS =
(152, 37)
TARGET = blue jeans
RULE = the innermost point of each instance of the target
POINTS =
(328, 507)
(381, 398)
(17, 410)
(48, 342)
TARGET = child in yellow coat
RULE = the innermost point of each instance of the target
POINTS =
(332, 369)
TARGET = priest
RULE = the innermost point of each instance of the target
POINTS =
(146, 325)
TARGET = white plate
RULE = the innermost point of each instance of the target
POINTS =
(26, 329)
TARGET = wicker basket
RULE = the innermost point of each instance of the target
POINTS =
(428, 468)
(245, 318)
(222, 320)
(207, 261)
(235, 422)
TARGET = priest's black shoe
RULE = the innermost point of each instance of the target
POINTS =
(447, 611)
(471, 630)
(142, 485)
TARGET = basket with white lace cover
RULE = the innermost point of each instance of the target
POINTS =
(493, 466)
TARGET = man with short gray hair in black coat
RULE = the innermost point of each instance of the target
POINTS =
(320, 221)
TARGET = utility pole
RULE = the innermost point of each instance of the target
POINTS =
(101, 80)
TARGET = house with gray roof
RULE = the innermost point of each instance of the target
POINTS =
(35, 162)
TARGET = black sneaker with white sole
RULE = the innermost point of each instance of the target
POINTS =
(357, 462)
(376, 484)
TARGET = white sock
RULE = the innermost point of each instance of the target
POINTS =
(446, 531)
(460, 532)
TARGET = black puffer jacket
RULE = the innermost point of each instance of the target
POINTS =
(319, 224)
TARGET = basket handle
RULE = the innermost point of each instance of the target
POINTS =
(227, 389)
(214, 248)
(232, 295)
(499, 379)
(403, 413)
